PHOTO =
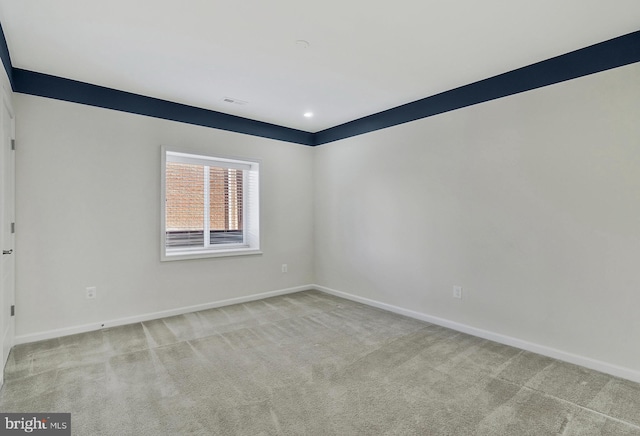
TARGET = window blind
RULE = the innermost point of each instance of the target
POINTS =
(210, 203)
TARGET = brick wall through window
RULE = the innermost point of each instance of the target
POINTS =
(185, 198)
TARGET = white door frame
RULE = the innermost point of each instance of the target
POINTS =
(7, 235)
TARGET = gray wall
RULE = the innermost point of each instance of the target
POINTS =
(88, 205)
(530, 202)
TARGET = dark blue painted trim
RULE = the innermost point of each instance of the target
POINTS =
(613, 53)
(4, 55)
(44, 85)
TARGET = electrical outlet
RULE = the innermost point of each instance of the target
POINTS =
(284, 268)
(457, 292)
(91, 292)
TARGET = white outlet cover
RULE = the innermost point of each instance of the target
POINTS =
(91, 292)
(457, 292)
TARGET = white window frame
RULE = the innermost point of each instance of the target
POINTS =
(251, 205)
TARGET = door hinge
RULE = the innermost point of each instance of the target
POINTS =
(13, 144)
(13, 227)
(13, 310)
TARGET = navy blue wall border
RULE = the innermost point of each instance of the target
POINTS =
(4, 55)
(613, 53)
(44, 85)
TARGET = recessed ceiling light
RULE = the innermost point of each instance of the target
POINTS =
(308, 114)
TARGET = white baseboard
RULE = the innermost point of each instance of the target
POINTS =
(586, 362)
(66, 331)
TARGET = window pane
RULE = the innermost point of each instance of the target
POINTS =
(184, 205)
(225, 205)
(211, 206)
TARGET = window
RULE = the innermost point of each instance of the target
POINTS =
(210, 206)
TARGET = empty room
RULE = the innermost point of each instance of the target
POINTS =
(334, 218)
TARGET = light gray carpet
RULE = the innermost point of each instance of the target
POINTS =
(309, 364)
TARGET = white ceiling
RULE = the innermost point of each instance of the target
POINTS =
(363, 57)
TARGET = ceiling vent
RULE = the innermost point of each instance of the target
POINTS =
(235, 101)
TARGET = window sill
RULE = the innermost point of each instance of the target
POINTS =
(204, 254)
